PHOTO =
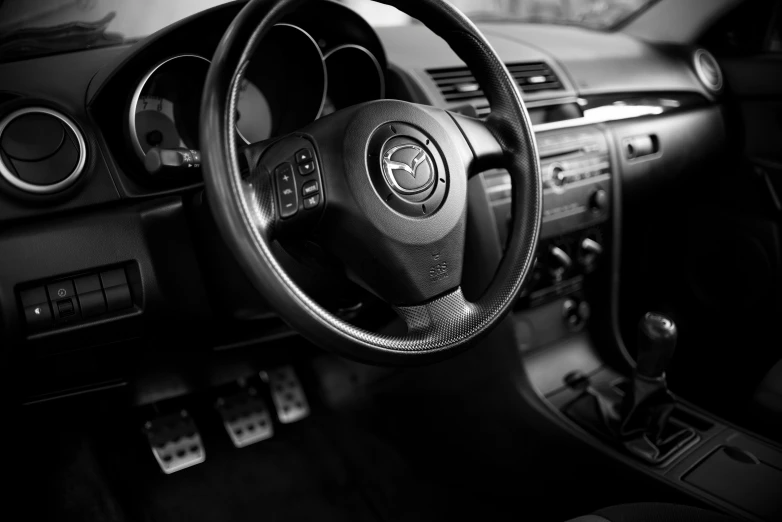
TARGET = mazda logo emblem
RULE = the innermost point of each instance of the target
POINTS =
(408, 168)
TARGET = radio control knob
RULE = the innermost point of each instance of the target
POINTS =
(598, 201)
(555, 175)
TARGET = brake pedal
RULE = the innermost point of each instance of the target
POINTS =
(287, 394)
(245, 417)
(175, 441)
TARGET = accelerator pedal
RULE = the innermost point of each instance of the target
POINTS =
(287, 394)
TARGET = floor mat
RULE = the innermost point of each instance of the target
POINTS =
(293, 476)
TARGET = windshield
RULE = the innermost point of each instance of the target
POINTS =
(38, 27)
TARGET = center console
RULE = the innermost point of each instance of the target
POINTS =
(567, 331)
(576, 170)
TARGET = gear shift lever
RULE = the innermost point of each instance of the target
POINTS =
(657, 336)
(648, 404)
(640, 421)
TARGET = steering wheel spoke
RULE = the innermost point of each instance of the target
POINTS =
(438, 317)
(481, 138)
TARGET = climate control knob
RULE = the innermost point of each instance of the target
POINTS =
(558, 263)
(598, 201)
(589, 251)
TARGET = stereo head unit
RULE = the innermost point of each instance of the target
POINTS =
(576, 170)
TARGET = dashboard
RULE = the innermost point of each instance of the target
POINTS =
(610, 112)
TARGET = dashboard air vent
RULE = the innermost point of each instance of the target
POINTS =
(457, 84)
(708, 70)
(42, 151)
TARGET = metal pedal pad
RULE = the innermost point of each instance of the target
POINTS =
(287, 394)
(175, 441)
(245, 417)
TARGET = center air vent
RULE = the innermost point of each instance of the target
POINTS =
(41, 150)
(457, 84)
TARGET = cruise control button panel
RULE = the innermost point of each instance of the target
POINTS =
(287, 194)
(297, 178)
(66, 301)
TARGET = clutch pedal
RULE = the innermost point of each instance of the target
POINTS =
(175, 441)
(287, 394)
(245, 417)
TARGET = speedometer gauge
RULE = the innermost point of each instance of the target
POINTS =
(254, 115)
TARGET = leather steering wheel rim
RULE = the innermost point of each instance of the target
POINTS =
(246, 209)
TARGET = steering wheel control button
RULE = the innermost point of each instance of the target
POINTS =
(92, 303)
(303, 156)
(60, 290)
(311, 202)
(310, 188)
(38, 316)
(287, 195)
(287, 394)
(118, 298)
(305, 169)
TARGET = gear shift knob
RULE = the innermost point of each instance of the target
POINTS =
(657, 336)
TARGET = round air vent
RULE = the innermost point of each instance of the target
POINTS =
(41, 150)
(708, 70)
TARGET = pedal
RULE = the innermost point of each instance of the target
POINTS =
(245, 417)
(175, 441)
(287, 394)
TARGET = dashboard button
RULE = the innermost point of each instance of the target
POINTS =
(86, 284)
(65, 309)
(60, 290)
(118, 298)
(307, 168)
(287, 195)
(303, 156)
(38, 316)
(114, 277)
(34, 296)
(92, 303)
(310, 188)
(312, 201)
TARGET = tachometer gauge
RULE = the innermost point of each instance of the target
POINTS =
(155, 125)
(165, 106)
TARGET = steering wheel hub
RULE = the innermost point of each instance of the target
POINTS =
(407, 170)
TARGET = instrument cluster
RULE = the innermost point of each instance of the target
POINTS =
(292, 80)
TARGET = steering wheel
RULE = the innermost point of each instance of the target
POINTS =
(382, 186)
